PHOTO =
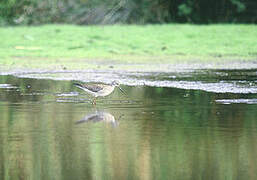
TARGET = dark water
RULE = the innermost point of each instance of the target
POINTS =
(49, 130)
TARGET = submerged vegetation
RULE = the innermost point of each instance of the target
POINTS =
(77, 46)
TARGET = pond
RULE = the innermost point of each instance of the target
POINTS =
(193, 125)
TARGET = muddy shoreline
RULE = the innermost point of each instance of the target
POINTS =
(134, 67)
(234, 77)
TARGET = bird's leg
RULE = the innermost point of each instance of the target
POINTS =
(94, 101)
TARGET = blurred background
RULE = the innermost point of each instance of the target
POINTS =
(35, 12)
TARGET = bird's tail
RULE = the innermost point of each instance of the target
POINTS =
(79, 86)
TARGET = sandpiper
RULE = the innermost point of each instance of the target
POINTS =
(97, 90)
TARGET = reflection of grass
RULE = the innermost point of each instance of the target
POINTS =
(159, 139)
(64, 44)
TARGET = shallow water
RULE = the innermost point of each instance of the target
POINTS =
(50, 130)
(242, 81)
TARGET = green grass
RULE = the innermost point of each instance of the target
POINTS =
(75, 46)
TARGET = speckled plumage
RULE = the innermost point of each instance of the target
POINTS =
(97, 89)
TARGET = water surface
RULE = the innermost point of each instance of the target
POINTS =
(50, 130)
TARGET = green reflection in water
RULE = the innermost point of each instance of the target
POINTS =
(160, 133)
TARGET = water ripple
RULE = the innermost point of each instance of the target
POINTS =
(236, 101)
(7, 86)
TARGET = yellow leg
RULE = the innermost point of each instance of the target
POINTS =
(94, 101)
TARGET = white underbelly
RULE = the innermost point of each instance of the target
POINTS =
(105, 92)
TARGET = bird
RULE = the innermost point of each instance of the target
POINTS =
(98, 89)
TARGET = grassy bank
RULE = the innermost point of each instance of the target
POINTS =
(86, 46)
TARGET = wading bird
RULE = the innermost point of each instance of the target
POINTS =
(97, 90)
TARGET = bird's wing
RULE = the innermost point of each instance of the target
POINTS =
(91, 87)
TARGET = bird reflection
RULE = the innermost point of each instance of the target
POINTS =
(99, 116)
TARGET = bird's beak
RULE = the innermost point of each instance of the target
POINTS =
(122, 90)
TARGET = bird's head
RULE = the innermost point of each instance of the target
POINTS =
(115, 83)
